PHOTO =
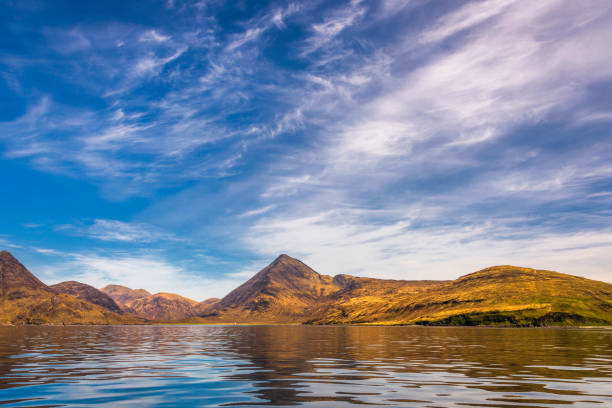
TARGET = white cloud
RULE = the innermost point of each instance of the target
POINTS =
(325, 31)
(250, 35)
(47, 251)
(154, 36)
(334, 243)
(467, 16)
(518, 69)
(147, 272)
(257, 211)
(515, 66)
(5, 243)
(113, 230)
(257, 27)
(153, 65)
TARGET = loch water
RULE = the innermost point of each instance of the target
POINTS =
(319, 366)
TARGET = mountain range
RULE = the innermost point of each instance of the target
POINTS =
(289, 292)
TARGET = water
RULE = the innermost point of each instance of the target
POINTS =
(192, 366)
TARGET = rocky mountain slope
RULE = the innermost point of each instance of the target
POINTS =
(87, 293)
(284, 291)
(26, 300)
(288, 291)
(160, 306)
(122, 295)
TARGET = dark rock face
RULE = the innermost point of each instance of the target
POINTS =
(164, 306)
(286, 288)
(87, 293)
(15, 280)
(123, 296)
(160, 306)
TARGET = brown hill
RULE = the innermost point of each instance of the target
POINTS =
(206, 305)
(160, 306)
(87, 293)
(500, 295)
(16, 281)
(288, 291)
(164, 306)
(364, 297)
(26, 300)
(123, 296)
(284, 291)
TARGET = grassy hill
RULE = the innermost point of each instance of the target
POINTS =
(500, 295)
(288, 291)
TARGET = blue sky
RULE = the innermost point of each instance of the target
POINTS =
(181, 146)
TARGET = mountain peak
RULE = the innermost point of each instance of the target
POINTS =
(123, 295)
(286, 267)
(287, 286)
(6, 255)
(285, 258)
(87, 293)
(16, 281)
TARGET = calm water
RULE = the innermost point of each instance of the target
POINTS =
(317, 366)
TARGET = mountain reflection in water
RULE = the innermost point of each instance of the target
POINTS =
(312, 365)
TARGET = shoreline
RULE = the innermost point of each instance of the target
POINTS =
(306, 325)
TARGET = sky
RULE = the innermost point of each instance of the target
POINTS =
(181, 146)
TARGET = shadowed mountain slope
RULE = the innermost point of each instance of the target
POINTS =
(26, 300)
(87, 293)
(160, 306)
(283, 291)
(206, 305)
(287, 290)
(123, 296)
(16, 281)
(164, 306)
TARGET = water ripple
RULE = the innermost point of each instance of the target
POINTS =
(167, 366)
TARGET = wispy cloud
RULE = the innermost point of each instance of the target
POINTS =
(154, 36)
(325, 31)
(335, 242)
(257, 211)
(148, 272)
(152, 64)
(466, 17)
(144, 269)
(119, 231)
(402, 133)
(510, 70)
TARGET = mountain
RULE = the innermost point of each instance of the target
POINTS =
(87, 293)
(206, 306)
(16, 281)
(123, 296)
(284, 291)
(363, 298)
(164, 306)
(26, 300)
(288, 291)
(500, 295)
(160, 306)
